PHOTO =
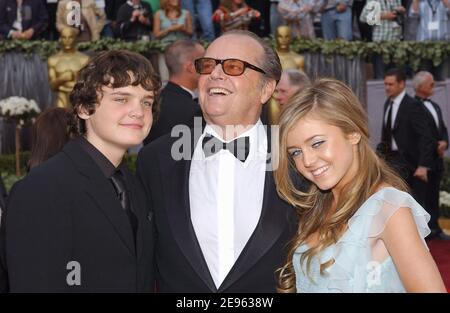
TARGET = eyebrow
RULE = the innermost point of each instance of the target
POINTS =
(307, 140)
(123, 93)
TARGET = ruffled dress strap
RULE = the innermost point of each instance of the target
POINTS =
(354, 269)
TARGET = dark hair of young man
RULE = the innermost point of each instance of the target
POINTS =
(114, 69)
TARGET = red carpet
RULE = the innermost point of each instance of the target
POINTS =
(440, 249)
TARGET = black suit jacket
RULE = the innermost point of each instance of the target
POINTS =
(66, 210)
(438, 133)
(181, 266)
(34, 15)
(177, 108)
(412, 134)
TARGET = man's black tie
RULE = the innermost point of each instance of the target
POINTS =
(118, 182)
(389, 125)
(240, 147)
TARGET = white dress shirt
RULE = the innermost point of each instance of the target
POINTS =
(395, 107)
(226, 197)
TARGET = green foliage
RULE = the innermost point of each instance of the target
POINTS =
(400, 52)
(445, 182)
(9, 180)
(8, 162)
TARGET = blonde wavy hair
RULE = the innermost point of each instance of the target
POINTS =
(333, 102)
(165, 5)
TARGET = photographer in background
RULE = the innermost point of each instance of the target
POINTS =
(434, 25)
(134, 20)
(388, 28)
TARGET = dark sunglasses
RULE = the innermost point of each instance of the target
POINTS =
(232, 67)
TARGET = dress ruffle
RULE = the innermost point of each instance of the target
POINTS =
(353, 269)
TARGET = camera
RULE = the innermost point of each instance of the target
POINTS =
(399, 17)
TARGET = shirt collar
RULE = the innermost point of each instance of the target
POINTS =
(192, 93)
(99, 158)
(400, 97)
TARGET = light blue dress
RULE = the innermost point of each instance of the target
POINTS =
(354, 269)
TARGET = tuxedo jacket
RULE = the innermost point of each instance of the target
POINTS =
(181, 266)
(177, 108)
(411, 133)
(438, 133)
(65, 210)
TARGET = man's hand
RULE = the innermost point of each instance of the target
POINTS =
(28, 34)
(135, 15)
(341, 7)
(143, 20)
(401, 9)
(421, 173)
(388, 15)
(16, 35)
(442, 146)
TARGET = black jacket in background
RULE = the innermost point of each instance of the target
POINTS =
(412, 134)
(133, 30)
(34, 15)
(438, 134)
(177, 108)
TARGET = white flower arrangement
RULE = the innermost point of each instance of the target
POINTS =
(18, 108)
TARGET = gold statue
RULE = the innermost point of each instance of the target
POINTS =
(64, 65)
(289, 60)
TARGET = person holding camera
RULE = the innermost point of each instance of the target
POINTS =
(134, 20)
(387, 26)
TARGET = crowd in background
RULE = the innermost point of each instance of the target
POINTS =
(174, 19)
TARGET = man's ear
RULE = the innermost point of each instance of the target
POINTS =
(354, 138)
(83, 113)
(268, 90)
(190, 68)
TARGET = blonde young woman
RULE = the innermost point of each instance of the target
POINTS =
(359, 230)
(171, 22)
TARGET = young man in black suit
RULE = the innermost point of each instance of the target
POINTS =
(423, 83)
(221, 225)
(178, 97)
(406, 140)
(79, 222)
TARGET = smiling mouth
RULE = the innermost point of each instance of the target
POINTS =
(133, 126)
(216, 91)
(318, 172)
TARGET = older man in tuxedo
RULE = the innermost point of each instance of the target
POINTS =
(423, 83)
(221, 225)
(406, 140)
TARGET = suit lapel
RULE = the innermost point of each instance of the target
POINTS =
(137, 209)
(101, 193)
(176, 187)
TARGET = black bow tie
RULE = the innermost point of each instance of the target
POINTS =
(239, 147)
(423, 99)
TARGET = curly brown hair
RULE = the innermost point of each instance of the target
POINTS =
(116, 69)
